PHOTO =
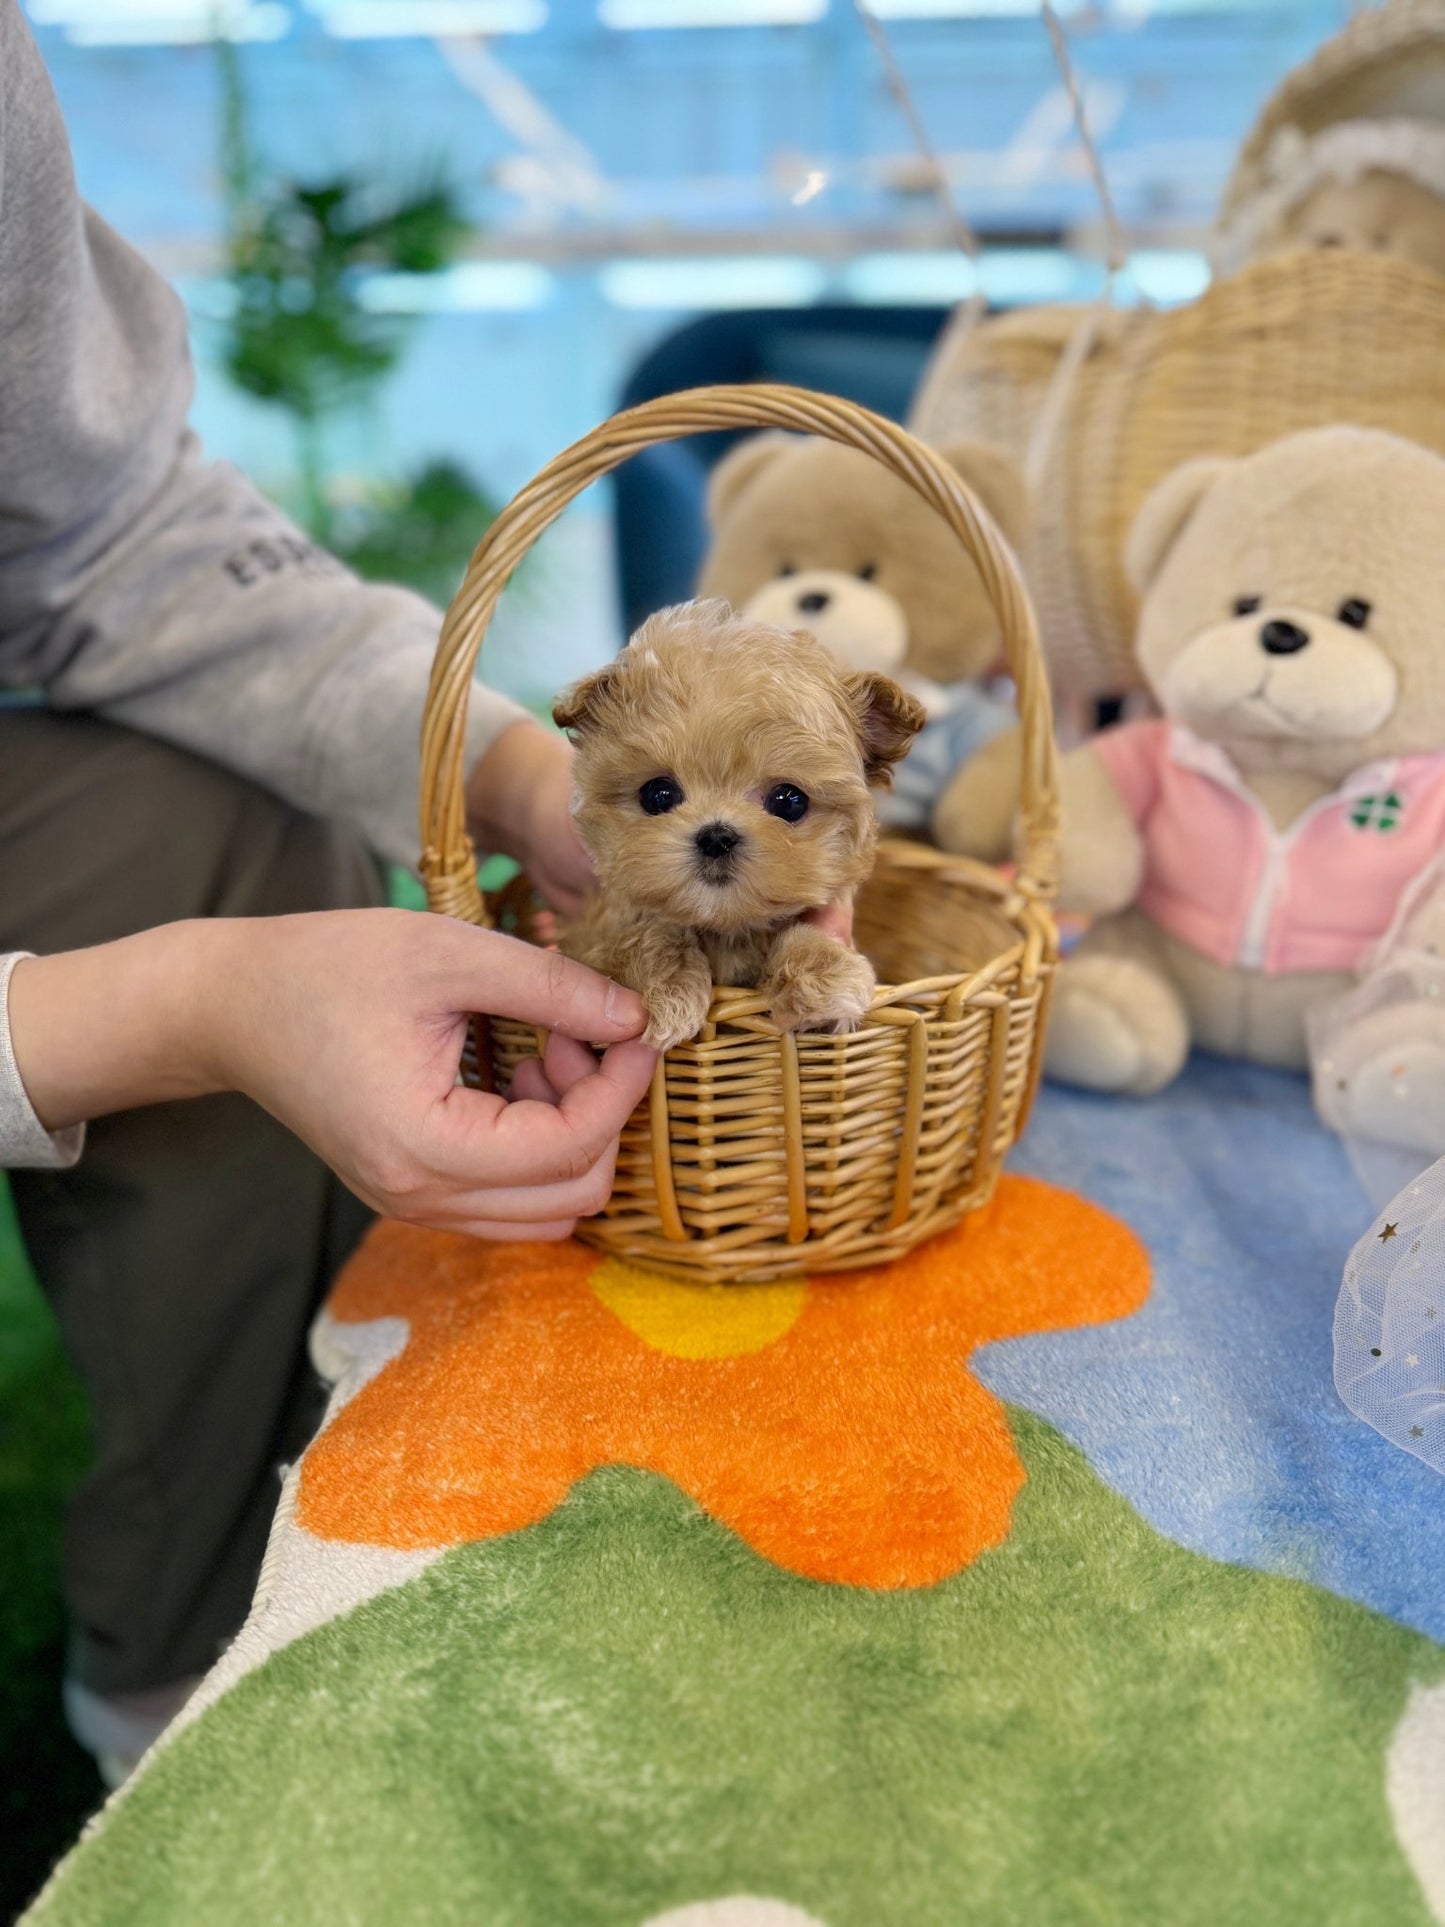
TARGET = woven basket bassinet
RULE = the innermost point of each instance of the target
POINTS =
(1299, 341)
(759, 1154)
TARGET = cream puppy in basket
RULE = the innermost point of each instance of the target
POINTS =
(723, 782)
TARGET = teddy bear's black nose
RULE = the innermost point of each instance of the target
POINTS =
(717, 839)
(814, 602)
(1279, 638)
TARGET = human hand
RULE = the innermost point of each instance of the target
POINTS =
(359, 1055)
(519, 802)
(348, 1026)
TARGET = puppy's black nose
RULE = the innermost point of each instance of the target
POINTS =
(717, 839)
(814, 602)
(1282, 638)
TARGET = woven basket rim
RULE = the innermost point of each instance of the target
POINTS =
(982, 880)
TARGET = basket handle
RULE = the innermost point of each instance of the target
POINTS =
(448, 863)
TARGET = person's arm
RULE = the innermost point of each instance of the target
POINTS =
(348, 1026)
(25, 1143)
(163, 591)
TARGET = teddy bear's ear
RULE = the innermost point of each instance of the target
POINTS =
(741, 465)
(888, 720)
(577, 708)
(996, 480)
(1165, 514)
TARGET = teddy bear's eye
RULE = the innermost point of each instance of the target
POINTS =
(659, 794)
(1354, 612)
(788, 568)
(787, 802)
(868, 571)
(1246, 605)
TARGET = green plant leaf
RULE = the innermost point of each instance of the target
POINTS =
(420, 532)
(301, 336)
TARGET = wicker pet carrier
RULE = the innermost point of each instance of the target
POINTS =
(1297, 341)
(759, 1154)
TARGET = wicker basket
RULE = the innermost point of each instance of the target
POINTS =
(1298, 341)
(759, 1154)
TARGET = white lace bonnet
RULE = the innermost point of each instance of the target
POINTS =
(1370, 99)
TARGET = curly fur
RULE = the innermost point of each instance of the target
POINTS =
(728, 708)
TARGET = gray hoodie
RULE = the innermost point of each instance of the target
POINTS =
(146, 584)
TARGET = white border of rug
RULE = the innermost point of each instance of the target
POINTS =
(304, 1582)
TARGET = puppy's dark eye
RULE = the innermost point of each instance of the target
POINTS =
(659, 794)
(1246, 605)
(1353, 612)
(787, 802)
(788, 568)
(868, 571)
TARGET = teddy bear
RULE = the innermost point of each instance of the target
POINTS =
(1374, 185)
(1244, 853)
(1349, 150)
(807, 534)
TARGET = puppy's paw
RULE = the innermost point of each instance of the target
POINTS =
(676, 1011)
(817, 984)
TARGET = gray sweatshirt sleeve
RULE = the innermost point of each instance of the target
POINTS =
(24, 1140)
(144, 583)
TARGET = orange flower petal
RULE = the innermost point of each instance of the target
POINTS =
(854, 1448)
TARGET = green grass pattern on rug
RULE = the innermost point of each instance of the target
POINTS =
(623, 1709)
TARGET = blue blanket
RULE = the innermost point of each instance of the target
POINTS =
(1214, 1408)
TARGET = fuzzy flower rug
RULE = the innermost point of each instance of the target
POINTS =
(1038, 1578)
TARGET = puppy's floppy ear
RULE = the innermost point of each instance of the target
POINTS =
(996, 480)
(888, 720)
(1165, 515)
(742, 465)
(577, 708)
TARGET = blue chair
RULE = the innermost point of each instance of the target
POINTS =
(870, 355)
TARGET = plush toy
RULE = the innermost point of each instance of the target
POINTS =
(1375, 185)
(1245, 854)
(810, 535)
(1349, 150)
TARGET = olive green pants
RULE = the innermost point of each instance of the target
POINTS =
(185, 1255)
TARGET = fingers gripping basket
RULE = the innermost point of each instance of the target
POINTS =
(759, 1154)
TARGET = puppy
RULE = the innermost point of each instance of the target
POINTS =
(723, 774)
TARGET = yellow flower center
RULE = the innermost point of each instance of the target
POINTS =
(698, 1321)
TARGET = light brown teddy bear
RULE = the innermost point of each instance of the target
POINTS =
(810, 535)
(1245, 854)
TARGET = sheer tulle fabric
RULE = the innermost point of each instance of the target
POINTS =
(1390, 1321)
(1377, 1054)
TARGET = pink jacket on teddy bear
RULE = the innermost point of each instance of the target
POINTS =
(1219, 875)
